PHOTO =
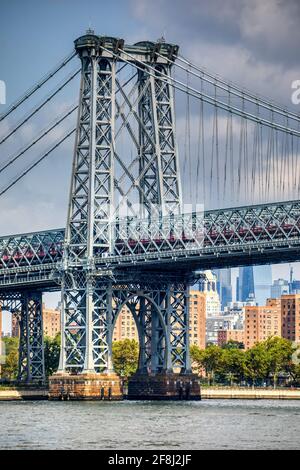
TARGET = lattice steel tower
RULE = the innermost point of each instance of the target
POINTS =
(104, 181)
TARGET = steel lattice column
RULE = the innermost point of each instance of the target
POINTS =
(177, 319)
(161, 314)
(161, 180)
(91, 204)
(31, 349)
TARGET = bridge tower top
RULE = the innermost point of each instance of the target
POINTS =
(145, 51)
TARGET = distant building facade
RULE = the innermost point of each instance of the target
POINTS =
(51, 322)
(290, 317)
(216, 323)
(231, 335)
(262, 322)
(279, 287)
(125, 326)
(197, 313)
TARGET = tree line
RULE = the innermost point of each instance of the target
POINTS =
(266, 363)
(125, 356)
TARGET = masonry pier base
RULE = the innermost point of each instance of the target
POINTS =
(164, 386)
(86, 386)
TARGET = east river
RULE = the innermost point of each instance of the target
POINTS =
(210, 424)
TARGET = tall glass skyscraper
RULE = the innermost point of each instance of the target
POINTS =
(245, 284)
(224, 286)
(262, 283)
(254, 281)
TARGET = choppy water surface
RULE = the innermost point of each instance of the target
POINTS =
(210, 424)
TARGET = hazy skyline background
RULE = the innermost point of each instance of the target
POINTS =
(253, 43)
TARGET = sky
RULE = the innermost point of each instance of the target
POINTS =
(253, 43)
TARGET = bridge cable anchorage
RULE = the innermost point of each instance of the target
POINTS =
(183, 87)
(36, 162)
(37, 86)
(40, 137)
(42, 104)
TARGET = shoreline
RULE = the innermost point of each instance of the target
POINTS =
(206, 394)
(250, 394)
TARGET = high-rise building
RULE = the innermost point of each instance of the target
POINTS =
(262, 322)
(279, 287)
(224, 286)
(245, 284)
(208, 285)
(262, 283)
(294, 285)
(254, 282)
(290, 317)
(197, 312)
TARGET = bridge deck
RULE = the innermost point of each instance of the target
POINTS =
(259, 234)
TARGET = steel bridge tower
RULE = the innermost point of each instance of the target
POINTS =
(92, 298)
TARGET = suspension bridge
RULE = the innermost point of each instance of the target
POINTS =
(151, 203)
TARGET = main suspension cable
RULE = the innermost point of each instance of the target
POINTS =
(183, 87)
(42, 134)
(36, 162)
(38, 85)
(41, 105)
(234, 89)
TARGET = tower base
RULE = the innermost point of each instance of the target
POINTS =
(164, 386)
(85, 387)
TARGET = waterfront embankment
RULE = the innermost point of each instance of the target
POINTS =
(7, 394)
(206, 393)
(250, 393)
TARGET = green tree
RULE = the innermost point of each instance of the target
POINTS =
(125, 357)
(52, 352)
(210, 359)
(279, 351)
(197, 356)
(231, 344)
(256, 363)
(233, 364)
(10, 367)
(294, 372)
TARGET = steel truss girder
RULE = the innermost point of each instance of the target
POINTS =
(225, 231)
(27, 308)
(159, 310)
(30, 250)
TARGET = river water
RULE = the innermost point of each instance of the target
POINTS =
(210, 424)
